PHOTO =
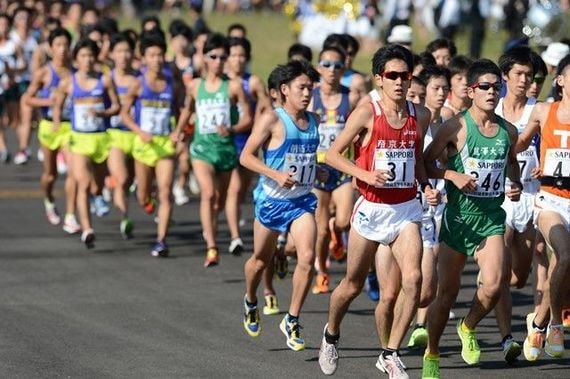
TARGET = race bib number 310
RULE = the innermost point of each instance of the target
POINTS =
(400, 163)
(489, 176)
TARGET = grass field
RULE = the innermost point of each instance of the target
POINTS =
(270, 36)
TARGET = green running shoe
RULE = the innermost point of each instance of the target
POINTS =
(418, 339)
(430, 368)
(470, 351)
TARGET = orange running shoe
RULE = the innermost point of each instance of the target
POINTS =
(212, 257)
(336, 247)
(322, 284)
(150, 206)
(566, 317)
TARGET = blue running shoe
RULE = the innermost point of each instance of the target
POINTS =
(372, 288)
(160, 249)
(101, 206)
(251, 321)
(292, 330)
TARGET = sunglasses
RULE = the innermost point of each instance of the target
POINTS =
(336, 65)
(539, 79)
(393, 75)
(485, 86)
(215, 57)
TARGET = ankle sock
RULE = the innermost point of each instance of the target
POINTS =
(330, 338)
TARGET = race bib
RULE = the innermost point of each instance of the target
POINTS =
(303, 168)
(84, 121)
(327, 135)
(557, 163)
(401, 164)
(212, 116)
(155, 121)
(528, 161)
(489, 175)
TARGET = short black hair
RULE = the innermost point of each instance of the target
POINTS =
(53, 21)
(243, 42)
(119, 38)
(389, 52)
(216, 41)
(150, 18)
(459, 64)
(108, 25)
(237, 26)
(300, 49)
(274, 78)
(294, 69)
(337, 49)
(538, 63)
(517, 55)
(353, 44)
(59, 32)
(132, 34)
(425, 59)
(442, 43)
(85, 43)
(152, 39)
(434, 71)
(336, 39)
(417, 80)
(565, 62)
(482, 67)
(180, 28)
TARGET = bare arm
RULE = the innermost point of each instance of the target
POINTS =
(60, 94)
(115, 106)
(424, 117)
(536, 119)
(128, 101)
(239, 98)
(29, 97)
(259, 93)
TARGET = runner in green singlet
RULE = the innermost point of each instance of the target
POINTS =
(480, 151)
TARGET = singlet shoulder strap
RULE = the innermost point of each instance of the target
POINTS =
(411, 109)
(528, 108)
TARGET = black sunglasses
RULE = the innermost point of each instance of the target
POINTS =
(539, 79)
(485, 86)
(216, 57)
(393, 75)
(337, 65)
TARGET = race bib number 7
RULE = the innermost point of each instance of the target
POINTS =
(400, 163)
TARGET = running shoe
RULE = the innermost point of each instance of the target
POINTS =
(430, 368)
(321, 284)
(88, 238)
(40, 155)
(372, 288)
(566, 318)
(511, 350)
(292, 330)
(336, 246)
(328, 355)
(418, 339)
(212, 257)
(150, 206)
(392, 365)
(271, 305)
(21, 157)
(470, 351)
(554, 345)
(236, 247)
(101, 206)
(70, 224)
(193, 184)
(534, 341)
(160, 249)
(452, 315)
(126, 228)
(4, 156)
(251, 321)
(60, 163)
(51, 213)
(180, 196)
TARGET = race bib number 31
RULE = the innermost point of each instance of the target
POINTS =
(489, 176)
(400, 163)
(557, 163)
(303, 168)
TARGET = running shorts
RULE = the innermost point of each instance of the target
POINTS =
(92, 145)
(222, 156)
(335, 179)
(160, 147)
(519, 213)
(122, 139)
(545, 201)
(279, 214)
(54, 139)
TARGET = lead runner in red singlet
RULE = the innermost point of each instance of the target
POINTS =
(387, 214)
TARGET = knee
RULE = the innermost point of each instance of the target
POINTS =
(49, 177)
(342, 222)
(388, 298)
(518, 280)
(207, 195)
(491, 290)
(351, 288)
(412, 281)
(426, 297)
(322, 231)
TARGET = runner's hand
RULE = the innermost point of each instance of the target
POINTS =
(514, 193)
(376, 178)
(145, 137)
(465, 183)
(536, 173)
(285, 179)
(177, 136)
(433, 197)
(223, 130)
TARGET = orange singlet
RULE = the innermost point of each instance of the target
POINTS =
(555, 151)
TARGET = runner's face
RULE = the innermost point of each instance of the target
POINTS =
(85, 60)
(437, 90)
(518, 79)
(331, 74)
(122, 55)
(416, 94)
(154, 58)
(486, 100)
(459, 85)
(179, 44)
(237, 59)
(394, 89)
(442, 56)
(60, 48)
(215, 60)
(298, 92)
(4, 26)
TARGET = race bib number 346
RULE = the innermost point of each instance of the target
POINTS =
(489, 176)
(400, 163)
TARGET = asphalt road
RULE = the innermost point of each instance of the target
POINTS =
(116, 312)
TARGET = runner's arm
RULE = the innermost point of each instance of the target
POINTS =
(60, 94)
(115, 106)
(260, 95)
(238, 95)
(513, 168)
(128, 102)
(536, 119)
(29, 97)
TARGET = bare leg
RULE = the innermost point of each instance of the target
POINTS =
(83, 174)
(164, 172)
(322, 216)
(264, 241)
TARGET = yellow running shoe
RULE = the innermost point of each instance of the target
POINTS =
(418, 339)
(292, 330)
(430, 368)
(212, 257)
(271, 305)
(470, 351)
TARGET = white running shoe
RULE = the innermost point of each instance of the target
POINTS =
(101, 206)
(236, 247)
(61, 163)
(51, 213)
(393, 366)
(193, 184)
(70, 225)
(40, 155)
(328, 355)
(180, 196)
(21, 157)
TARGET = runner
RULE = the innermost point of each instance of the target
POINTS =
(39, 94)
(552, 215)
(289, 138)
(443, 50)
(480, 151)
(93, 100)
(254, 89)
(518, 70)
(458, 100)
(212, 150)
(120, 161)
(153, 99)
(417, 91)
(387, 214)
(332, 102)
